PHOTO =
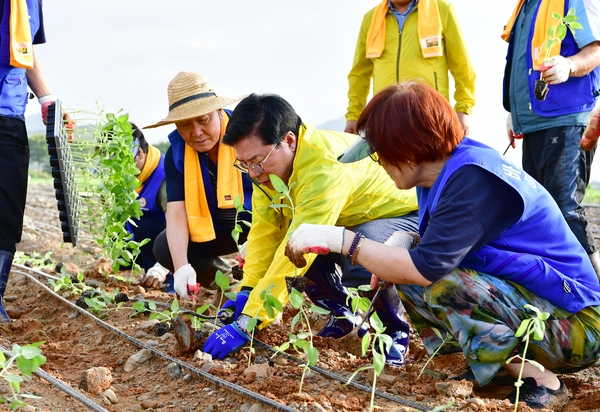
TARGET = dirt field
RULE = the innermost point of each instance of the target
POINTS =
(167, 378)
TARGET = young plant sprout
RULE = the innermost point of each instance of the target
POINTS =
(556, 35)
(530, 327)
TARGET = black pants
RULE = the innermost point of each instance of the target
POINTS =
(553, 158)
(147, 228)
(14, 164)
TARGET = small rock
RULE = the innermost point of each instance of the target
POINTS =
(174, 371)
(262, 370)
(200, 356)
(149, 404)
(148, 325)
(134, 360)
(457, 389)
(111, 396)
(95, 380)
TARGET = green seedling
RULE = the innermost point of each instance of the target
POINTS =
(34, 260)
(535, 328)
(65, 282)
(270, 305)
(380, 344)
(222, 282)
(557, 32)
(430, 358)
(27, 359)
(302, 341)
(163, 316)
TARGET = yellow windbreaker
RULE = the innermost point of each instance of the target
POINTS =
(327, 192)
(402, 60)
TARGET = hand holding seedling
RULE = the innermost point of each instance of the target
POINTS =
(309, 238)
(185, 282)
(556, 70)
(592, 131)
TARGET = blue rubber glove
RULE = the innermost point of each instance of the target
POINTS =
(236, 305)
(228, 339)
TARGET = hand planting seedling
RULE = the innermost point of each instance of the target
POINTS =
(302, 340)
(27, 359)
(530, 327)
(556, 35)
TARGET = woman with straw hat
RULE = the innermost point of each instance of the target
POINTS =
(201, 187)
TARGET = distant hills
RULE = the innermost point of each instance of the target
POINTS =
(337, 125)
(34, 124)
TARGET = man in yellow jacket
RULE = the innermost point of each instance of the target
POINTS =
(403, 40)
(270, 139)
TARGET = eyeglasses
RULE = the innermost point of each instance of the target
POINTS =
(256, 168)
(374, 157)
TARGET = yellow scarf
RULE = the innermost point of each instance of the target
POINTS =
(429, 30)
(21, 45)
(543, 22)
(152, 159)
(229, 186)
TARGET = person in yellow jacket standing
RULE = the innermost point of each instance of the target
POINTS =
(411, 40)
(270, 139)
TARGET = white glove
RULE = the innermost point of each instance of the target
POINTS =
(592, 130)
(309, 238)
(185, 282)
(241, 257)
(155, 276)
(556, 70)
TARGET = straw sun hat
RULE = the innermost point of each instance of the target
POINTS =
(191, 96)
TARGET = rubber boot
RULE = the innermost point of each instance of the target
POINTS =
(6, 259)
(206, 269)
(324, 289)
(595, 259)
(390, 310)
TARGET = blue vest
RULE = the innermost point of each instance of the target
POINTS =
(539, 252)
(153, 212)
(576, 95)
(178, 149)
(13, 88)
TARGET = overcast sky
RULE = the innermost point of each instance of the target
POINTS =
(123, 53)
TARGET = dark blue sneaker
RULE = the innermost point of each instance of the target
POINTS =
(540, 397)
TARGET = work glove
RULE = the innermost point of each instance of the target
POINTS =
(510, 133)
(556, 70)
(185, 282)
(309, 238)
(241, 257)
(45, 102)
(236, 305)
(400, 238)
(155, 276)
(592, 130)
(226, 340)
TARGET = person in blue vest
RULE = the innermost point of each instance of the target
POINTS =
(21, 28)
(202, 185)
(491, 242)
(152, 195)
(551, 127)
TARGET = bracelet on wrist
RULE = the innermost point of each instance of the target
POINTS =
(356, 244)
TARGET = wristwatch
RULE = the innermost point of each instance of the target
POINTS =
(242, 322)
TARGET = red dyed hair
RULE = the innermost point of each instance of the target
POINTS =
(410, 122)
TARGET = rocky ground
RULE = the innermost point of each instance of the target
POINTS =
(168, 374)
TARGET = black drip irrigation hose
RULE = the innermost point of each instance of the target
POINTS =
(63, 387)
(322, 371)
(327, 373)
(217, 381)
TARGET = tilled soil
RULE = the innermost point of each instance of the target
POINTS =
(75, 343)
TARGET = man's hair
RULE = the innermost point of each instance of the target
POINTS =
(410, 122)
(267, 116)
(137, 134)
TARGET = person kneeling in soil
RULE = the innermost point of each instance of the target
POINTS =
(271, 139)
(152, 194)
(201, 186)
(492, 241)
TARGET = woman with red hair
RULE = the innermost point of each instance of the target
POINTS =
(491, 242)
